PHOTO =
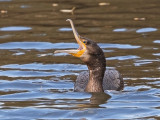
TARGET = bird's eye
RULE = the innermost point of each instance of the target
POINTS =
(84, 41)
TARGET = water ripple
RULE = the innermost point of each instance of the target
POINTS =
(120, 30)
(143, 30)
(19, 73)
(156, 54)
(40, 70)
(142, 62)
(65, 29)
(5, 36)
(5, 0)
(119, 46)
(48, 45)
(15, 28)
(25, 6)
(156, 41)
(40, 66)
(123, 57)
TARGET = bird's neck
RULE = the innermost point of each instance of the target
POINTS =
(96, 73)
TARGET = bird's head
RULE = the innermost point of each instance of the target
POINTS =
(87, 48)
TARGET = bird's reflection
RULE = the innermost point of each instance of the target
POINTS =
(99, 98)
(94, 101)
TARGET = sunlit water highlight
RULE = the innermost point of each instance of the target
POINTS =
(15, 28)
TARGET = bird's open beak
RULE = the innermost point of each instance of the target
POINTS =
(82, 47)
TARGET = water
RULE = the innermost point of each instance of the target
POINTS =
(37, 84)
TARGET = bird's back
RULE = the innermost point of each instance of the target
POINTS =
(112, 81)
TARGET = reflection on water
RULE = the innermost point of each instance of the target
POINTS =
(156, 41)
(36, 84)
(40, 66)
(65, 29)
(142, 62)
(120, 30)
(156, 54)
(25, 6)
(123, 57)
(15, 28)
(5, 0)
(143, 30)
(47, 45)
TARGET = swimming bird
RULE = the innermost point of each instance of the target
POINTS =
(97, 78)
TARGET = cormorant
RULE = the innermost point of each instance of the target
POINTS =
(97, 79)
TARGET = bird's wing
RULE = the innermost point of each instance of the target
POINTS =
(81, 81)
(112, 80)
